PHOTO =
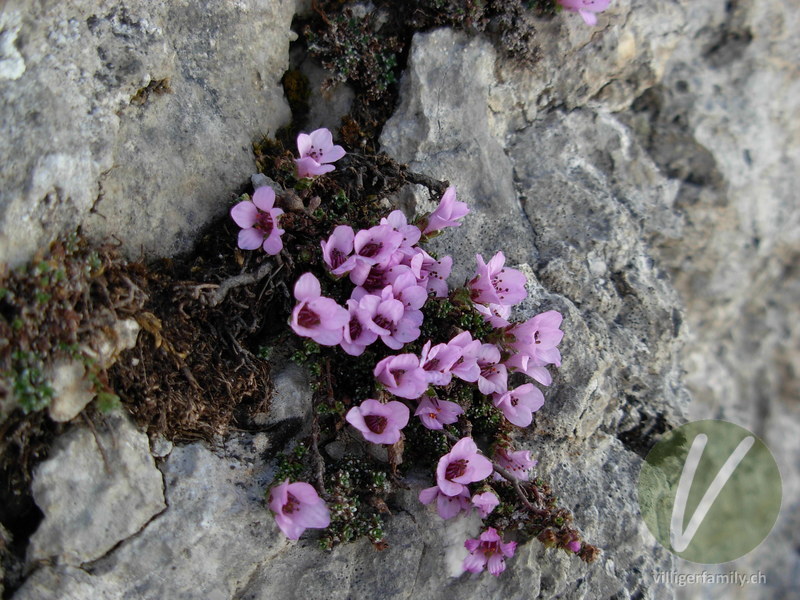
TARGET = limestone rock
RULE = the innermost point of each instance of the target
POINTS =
(127, 116)
(90, 506)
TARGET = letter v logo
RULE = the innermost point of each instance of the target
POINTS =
(678, 537)
(709, 491)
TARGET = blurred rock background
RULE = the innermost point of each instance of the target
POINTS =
(644, 172)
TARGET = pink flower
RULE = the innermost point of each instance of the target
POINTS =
(518, 462)
(538, 337)
(530, 366)
(489, 550)
(493, 376)
(390, 319)
(438, 360)
(574, 546)
(586, 8)
(433, 273)
(435, 413)
(317, 317)
(338, 248)
(376, 245)
(447, 506)
(379, 423)
(297, 507)
(402, 376)
(518, 405)
(259, 222)
(495, 284)
(485, 503)
(399, 223)
(460, 466)
(316, 149)
(466, 367)
(496, 314)
(447, 213)
(357, 334)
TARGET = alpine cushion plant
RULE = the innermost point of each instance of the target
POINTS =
(388, 339)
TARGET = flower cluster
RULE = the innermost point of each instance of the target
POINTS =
(258, 217)
(383, 280)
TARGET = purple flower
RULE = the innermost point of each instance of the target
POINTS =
(574, 546)
(390, 319)
(447, 213)
(495, 314)
(586, 8)
(357, 334)
(488, 551)
(433, 273)
(460, 466)
(530, 366)
(379, 423)
(338, 248)
(297, 507)
(495, 284)
(438, 360)
(493, 376)
(435, 413)
(399, 223)
(518, 462)
(259, 222)
(538, 337)
(485, 503)
(447, 506)
(376, 245)
(518, 405)
(316, 150)
(402, 376)
(466, 367)
(317, 317)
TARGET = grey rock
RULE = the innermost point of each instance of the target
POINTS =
(291, 397)
(90, 506)
(89, 137)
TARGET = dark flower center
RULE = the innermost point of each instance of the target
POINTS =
(291, 505)
(536, 339)
(456, 469)
(371, 249)
(312, 152)
(383, 322)
(514, 401)
(376, 423)
(488, 370)
(374, 280)
(307, 318)
(431, 364)
(355, 329)
(337, 258)
(264, 223)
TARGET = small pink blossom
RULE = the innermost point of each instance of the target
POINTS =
(394, 323)
(495, 314)
(379, 423)
(357, 334)
(532, 367)
(574, 546)
(495, 284)
(338, 248)
(485, 503)
(376, 245)
(317, 317)
(519, 404)
(586, 8)
(316, 150)
(488, 551)
(402, 376)
(435, 413)
(538, 337)
(433, 273)
(297, 507)
(438, 360)
(259, 222)
(447, 212)
(493, 376)
(518, 463)
(399, 223)
(466, 367)
(447, 506)
(460, 466)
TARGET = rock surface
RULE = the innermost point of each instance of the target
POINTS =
(643, 173)
(127, 116)
(93, 498)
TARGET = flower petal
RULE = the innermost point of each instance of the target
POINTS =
(250, 239)
(264, 198)
(244, 214)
